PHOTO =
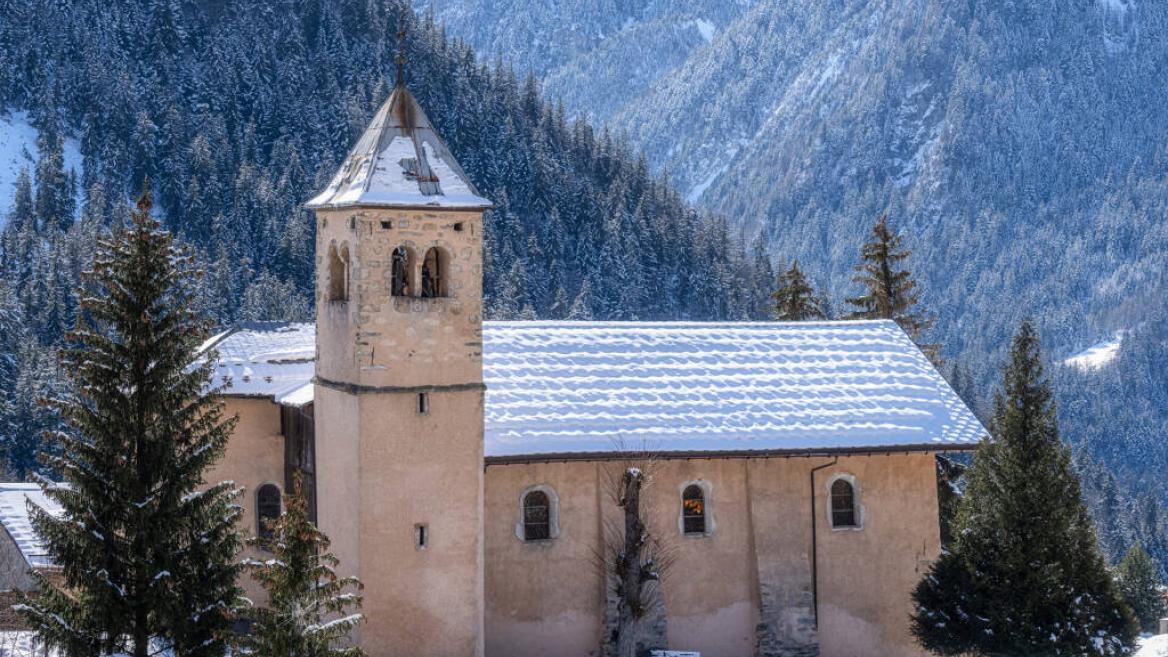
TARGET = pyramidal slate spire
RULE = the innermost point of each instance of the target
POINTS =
(400, 161)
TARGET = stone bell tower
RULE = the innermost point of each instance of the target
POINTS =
(399, 385)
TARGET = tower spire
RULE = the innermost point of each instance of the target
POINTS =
(400, 57)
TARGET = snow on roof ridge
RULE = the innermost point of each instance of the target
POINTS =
(400, 160)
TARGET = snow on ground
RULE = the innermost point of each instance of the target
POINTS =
(23, 644)
(18, 150)
(1153, 646)
(704, 27)
(1097, 355)
(18, 644)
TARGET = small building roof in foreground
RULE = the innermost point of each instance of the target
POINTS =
(583, 389)
(14, 500)
(400, 161)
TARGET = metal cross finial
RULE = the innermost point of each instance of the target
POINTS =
(400, 58)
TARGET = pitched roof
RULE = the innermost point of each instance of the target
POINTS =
(264, 359)
(14, 517)
(565, 387)
(400, 161)
(556, 388)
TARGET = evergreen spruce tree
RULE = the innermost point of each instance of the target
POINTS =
(147, 549)
(11, 335)
(889, 291)
(55, 197)
(581, 309)
(303, 589)
(1141, 588)
(949, 473)
(795, 300)
(1023, 575)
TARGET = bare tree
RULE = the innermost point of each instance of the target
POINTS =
(634, 558)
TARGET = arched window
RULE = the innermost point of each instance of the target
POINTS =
(338, 273)
(843, 504)
(434, 274)
(267, 509)
(402, 264)
(693, 510)
(537, 516)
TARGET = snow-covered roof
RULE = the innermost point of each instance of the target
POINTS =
(589, 387)
(14, 517)
(265, 359)
(569, 387)
(400, 161)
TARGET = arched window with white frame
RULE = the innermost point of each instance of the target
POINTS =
(539, 514)
(696, 517)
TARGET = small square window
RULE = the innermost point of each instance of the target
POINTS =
(386, 224)
(423, 403)
(458, 227)
(421, 536)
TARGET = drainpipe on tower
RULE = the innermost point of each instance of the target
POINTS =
(814, 545)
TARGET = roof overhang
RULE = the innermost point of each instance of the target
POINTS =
(883, 450)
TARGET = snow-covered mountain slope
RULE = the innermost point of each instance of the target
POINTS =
(1098, 355)
(18, 150)
(597, 57)
(1021, 149)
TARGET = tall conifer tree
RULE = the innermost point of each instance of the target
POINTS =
(1023, 575)
(889, 291)
(795, 300)
(303, 590)
(146, 548)
(1141, 588)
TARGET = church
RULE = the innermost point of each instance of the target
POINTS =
(463, 469)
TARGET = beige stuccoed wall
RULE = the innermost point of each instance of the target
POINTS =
(543, 598)
(255, 456)
(754, 568)
(867, 575)
(382, 467)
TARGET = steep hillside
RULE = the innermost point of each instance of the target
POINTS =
(1019, 146)
(236, 112)
(597, 57)
(1020, 149)
(18, 152)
